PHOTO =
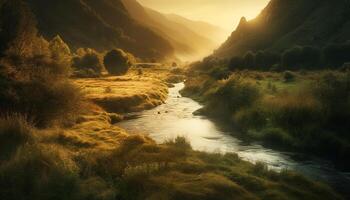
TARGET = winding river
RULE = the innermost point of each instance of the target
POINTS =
(175, 118)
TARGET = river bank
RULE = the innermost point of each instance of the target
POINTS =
(93, 158)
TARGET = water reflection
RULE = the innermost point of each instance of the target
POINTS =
(175, 118)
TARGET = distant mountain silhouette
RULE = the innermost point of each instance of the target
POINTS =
(189, 38)
(99, 24)
(285, 23)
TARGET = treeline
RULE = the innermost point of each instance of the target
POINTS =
(332, 56)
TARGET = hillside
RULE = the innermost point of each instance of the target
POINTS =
(186, 36)
(283, 24)
(102, 25)
(200, 27)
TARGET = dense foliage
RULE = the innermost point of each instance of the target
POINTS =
(117, 62)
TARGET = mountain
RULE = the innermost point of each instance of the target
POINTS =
(183, 34)
(286, 23)
(98, 24)
(201, 28)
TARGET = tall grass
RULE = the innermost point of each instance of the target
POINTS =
(309, 113)
(15, 131)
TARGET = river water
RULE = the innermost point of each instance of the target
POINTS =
(175, 118)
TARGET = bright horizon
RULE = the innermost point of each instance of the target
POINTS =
(223, 13)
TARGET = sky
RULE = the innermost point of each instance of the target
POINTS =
(223, 13)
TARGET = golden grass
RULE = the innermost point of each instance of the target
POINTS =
(129, 93)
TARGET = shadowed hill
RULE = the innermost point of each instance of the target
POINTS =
(201, 28)
(283, 24)
(99, 24)
(185, 35)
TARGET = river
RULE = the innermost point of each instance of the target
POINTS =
(175, 118)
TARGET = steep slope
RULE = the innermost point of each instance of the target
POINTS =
(285, 23)
(100, 24)
(187, 43)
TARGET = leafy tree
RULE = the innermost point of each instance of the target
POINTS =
(117, 62)
(235, 63)
(249, 60)
(18, 29)
(88, 59)
(291, 58)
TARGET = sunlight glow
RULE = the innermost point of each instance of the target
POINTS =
(224, 13)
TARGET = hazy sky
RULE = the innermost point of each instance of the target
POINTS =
(224, 13)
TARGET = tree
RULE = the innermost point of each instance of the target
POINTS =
(117, 62)
(335, 55)
(18, 29)
(88, 59)
(310, 57)
(249, 60)
(264, 60)
(235, 63)
(291, 58)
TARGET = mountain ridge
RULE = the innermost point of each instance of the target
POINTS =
(98, 24)
(284, 24)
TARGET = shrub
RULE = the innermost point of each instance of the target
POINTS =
(254, 117)
(277, 136)
(288, 76)
(43, 98)
(117, 62)
(234, 94)
(60, 51)
(15, 131)
(296, 113)
(333, 92)
(219, 73)
(38, 174)
(89, 61)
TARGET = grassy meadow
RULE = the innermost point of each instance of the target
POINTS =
(89, 157)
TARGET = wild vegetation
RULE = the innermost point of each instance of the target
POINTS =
(332, 56)
(304, 111)
(58, 138)
(118, 62)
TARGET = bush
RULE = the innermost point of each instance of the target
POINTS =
(15, 131)
(234, 94)
(60, 51)
(88, 61)
(38, 174)
(44, 98)
(288, 76)
(117, 62)
(333, 92)
(296, 113)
